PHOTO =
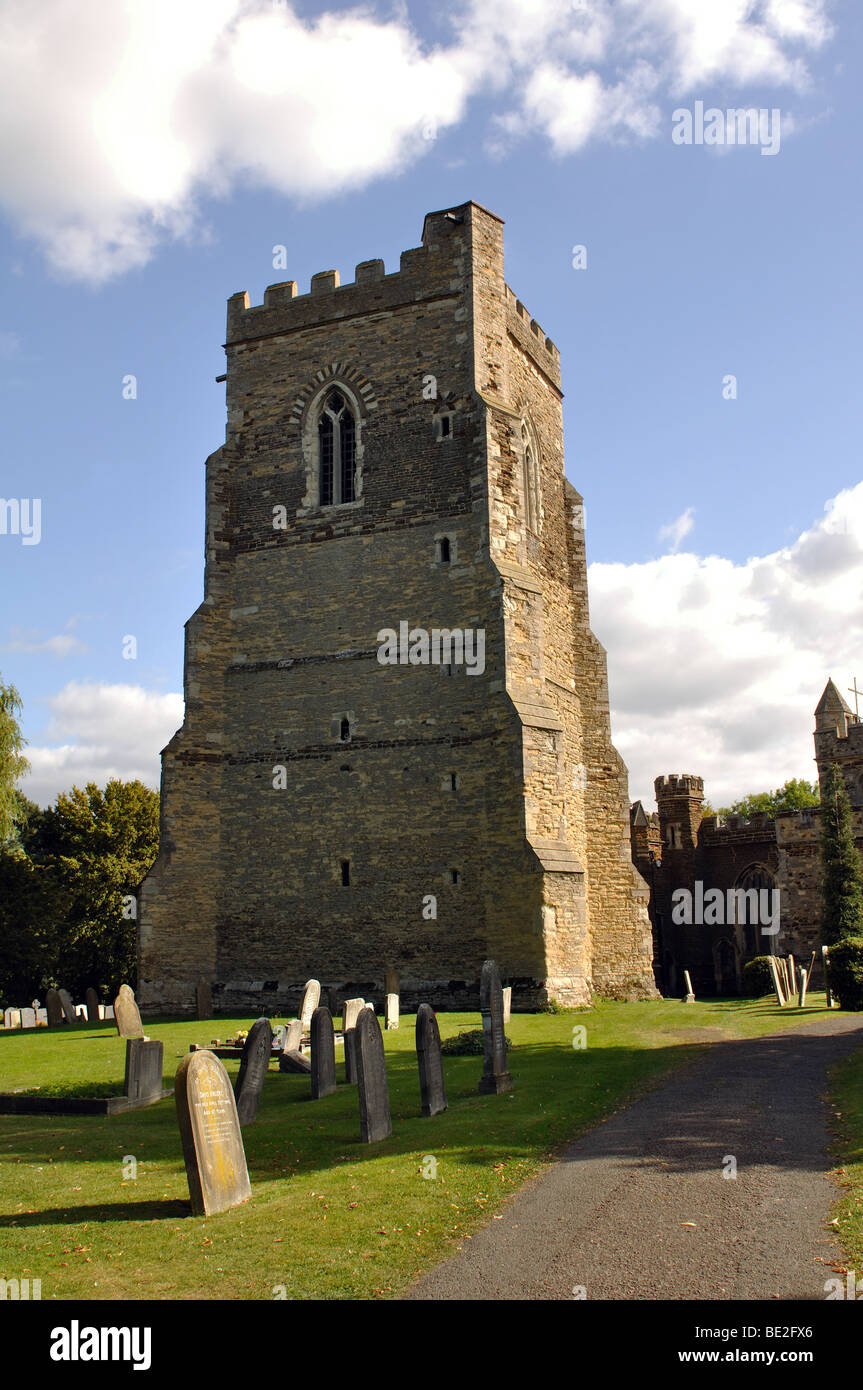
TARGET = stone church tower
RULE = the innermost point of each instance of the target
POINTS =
(393, 461)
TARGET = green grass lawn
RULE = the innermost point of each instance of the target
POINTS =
(329, 1217)
(846, 1096)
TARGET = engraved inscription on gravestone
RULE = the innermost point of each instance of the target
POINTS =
(432, 1088)
(253, 1069)
(495, 1077)
(210, 1130)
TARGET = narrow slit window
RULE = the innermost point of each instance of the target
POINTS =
(455, 876)
(346, 873)
(345, 731)
(443, 550)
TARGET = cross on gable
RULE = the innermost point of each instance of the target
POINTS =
(855, 692)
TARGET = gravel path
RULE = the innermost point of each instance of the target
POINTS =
(613, 1216)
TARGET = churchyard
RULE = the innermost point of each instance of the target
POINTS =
(98, 1207)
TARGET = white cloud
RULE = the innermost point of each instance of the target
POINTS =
(98, 731)
(676, 530)
(119, 119)
(716, 668)
(63, 644)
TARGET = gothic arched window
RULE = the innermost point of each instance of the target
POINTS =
(337, 452)
(530, 465)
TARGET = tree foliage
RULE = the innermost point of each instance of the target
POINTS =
(62, 915)
(13, 764)
(794, 795)
(842, 889)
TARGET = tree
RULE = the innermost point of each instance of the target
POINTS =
(13, 764)
(842, 889)
(795, 795)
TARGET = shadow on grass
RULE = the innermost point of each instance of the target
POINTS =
(100, 1211)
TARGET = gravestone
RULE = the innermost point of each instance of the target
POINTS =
(689, 996)
(92, 998)
(253, 1069)
(323, 1054)
(495, 1076)
(210, 1130)
(391, 982)
(432, 1087)
(352, 1011)
(825, 959)
(311, 1000)
(777, 985)
(41, 1018)
(803, 986)
(67, 1005)
(291, 1059)
(127, 1015)
(12, 1018)
(28, 1018)
(507, 1003)
(204, 999)
(375, 1121)
(279, 1035)
(53, 1008)
(392, 1011)
(143, 1079)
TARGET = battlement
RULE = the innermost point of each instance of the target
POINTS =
(515, 307)
(850, 737)
(736, 828)
(679, 784)
(434, 270)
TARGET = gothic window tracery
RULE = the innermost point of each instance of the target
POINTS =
(337, 442)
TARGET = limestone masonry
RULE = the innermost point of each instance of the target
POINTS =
(393, 455)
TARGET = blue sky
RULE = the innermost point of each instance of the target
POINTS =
(154, 155)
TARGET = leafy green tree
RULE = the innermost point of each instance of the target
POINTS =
(98, 846)
(794, 795)
(842, 890)
(13, 764)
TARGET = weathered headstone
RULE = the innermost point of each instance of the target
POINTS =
(507, 1003)
(204, 999)
(291, 1059)
(323, 1054)
(432, 1088)
(353, 1009)
(495, 1076)
(92, 998)
(311, 1000)
(280, 1032)
(28, 1018)
(67, 1005)
(375, 1121)
(825, 960)
(293, 1036)
(253, 1069)
(391, 1014)
(12, 1018)
(53, 1008)
(803, 986)
(777, 984)
(143, 1078)
(210, 1131)
(127, 1015)
(689, 996)
(41, 1018)
(391, 982)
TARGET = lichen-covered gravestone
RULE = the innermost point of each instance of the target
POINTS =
(432, 1088)
(375, 1121)
(143, 1079)
(53, 1008)
(204, 999)
(253, 1069)
(127, 1015)
(67, 1005)
(495, 1075)
(210, 1130)
(92, 1005)
(352, 1010)
(311, 1000)
(323, 1054)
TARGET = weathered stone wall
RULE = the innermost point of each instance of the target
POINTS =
(248, 888)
